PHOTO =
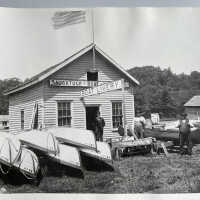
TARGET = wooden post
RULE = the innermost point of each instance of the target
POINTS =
(93, 49)
(123, 108)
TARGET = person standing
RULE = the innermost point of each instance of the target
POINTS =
(139, 123)
(185, 134)
(99, 126)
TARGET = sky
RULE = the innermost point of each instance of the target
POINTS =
(165, 37)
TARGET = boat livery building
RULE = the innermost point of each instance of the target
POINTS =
(71, 92)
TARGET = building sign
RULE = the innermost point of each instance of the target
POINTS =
(102, 88)
(74, 83)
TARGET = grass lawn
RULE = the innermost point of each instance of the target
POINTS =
(133, 174)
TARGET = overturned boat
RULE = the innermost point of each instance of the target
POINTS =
(46, 146)
(27, 163)
(10, 149)
(75, 137)
(103, 152)
(68, 156)
(41, 141)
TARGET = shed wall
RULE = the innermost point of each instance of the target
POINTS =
(78, 71)
(193, 112)
(25, 101)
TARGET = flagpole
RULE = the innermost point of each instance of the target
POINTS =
(124, 108)
(93, 49)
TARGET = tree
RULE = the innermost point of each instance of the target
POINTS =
(6, 85)
(163, 91)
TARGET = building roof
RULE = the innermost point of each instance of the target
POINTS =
(51, 70)
(193, 102)
(4, 118)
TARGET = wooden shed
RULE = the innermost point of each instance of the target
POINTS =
(192, 108)
(53, 97)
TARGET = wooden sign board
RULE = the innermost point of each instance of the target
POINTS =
(74, 83)
(115, 85)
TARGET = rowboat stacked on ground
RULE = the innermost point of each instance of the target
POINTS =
(27, 150)
(85, 141)
(47, 147)
(41, 141)
(75, 137)
(14, 155)
(68, 155)
(10, 149)
(103, 152)
(28, 163)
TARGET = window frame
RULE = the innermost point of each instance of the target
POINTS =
(112, 102)
(92, 72)
(57, 113)
(22, 122)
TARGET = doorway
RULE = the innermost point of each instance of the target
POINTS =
(91, 112)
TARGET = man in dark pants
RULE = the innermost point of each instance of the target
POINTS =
(99, 125)
(185, 134)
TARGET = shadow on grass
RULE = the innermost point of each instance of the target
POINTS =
(14, 177)
(57, 170)
(93, 164)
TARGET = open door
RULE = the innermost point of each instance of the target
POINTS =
(91, 112)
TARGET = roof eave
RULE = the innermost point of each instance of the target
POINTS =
(118, 66)
(71, 59)
(20, 88)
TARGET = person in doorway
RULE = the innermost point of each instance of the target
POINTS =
(99, 126)
(185, 134)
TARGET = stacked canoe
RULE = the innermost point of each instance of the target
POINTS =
(65, 146)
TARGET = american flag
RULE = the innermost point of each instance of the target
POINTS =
(66, 18)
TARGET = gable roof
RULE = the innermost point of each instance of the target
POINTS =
(51, 70)
(194, 102)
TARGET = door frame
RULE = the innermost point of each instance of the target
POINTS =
(91, 105)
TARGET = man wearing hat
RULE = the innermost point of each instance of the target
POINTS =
(185, 134)
(99, 126)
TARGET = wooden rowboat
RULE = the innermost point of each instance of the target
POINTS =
(42, 141)
(68, 156)
(103, 152)
(10, 149)
(76, 137)
(27, 163)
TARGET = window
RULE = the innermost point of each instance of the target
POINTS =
(4, 123)
(92, 76)
(22, 119)
(35, 122)
(64, 114)
(117, 114)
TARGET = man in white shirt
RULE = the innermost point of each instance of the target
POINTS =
(185, 134)
(139, 123)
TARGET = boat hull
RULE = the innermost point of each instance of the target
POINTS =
(39, 140)
(68, 156)
(27, 163)
(10, 149)
(103, 152)
(75, 137)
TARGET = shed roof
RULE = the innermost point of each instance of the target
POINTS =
(4, 118)
(193, 102)
(51, 70)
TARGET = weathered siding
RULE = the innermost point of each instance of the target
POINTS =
(193, 112)
(77, 71)
(25, 100)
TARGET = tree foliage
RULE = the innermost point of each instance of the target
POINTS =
(160, 90)
(163, 91)
(6, 84)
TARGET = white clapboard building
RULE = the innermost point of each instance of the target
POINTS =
(62, 95)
